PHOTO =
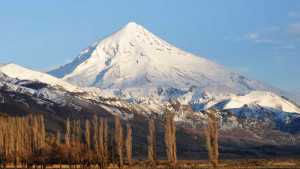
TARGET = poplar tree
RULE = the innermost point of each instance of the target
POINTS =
(211, 132)
(170, 138)
(102, 142)
(87, 134)
(96, 136)
(151, 141)
(119, 140)
(68, 133)
(129, 144)
(57, 138)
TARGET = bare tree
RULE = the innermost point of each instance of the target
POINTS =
(211, 132)
(119, 140)
(68, 132)
(22, 139)
(151, 141)
(96, 135)
(87, 134)
(73, 138)
(105, 142)
(76, 142)
(78, 131)
(42, 131)
(2, 141)
(170, 138)
(100, 141)
(57, 138)
(129, 144)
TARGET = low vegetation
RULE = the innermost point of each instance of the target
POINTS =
(93, 143)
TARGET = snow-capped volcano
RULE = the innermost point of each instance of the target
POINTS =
(133, 61)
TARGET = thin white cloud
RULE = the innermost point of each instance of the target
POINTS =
(272, 29)
(294, 29)
(284, 37)
(294, 14)
(264, 36)
(258, 37)
(252, 36)
(288, 47)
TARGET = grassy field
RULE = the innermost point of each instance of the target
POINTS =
(183, 164)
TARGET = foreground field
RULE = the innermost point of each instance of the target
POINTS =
(229, 164)
(182, 164)
(102, 143)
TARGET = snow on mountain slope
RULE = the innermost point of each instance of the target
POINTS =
(16, 71)
(134, 62)
(263, 99)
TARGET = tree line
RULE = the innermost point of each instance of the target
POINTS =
(25, 141)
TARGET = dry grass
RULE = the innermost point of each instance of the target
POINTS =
(190, 164)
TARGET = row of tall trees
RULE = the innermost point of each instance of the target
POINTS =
(24, 140)
(86, 143)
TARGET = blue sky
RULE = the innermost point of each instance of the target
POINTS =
(259, 38)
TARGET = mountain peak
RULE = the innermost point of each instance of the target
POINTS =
(134, 59)
(131, 25)
(132, 30)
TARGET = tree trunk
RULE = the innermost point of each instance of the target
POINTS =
(211, 132)
(170, 138)
(151, 142)
(129, 144)
(119, 140)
